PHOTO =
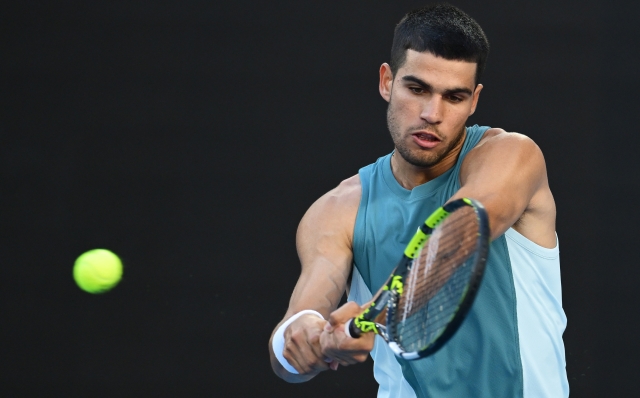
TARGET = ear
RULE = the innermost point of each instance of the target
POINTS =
(386, 81)
(476, 96)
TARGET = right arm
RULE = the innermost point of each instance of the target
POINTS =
(324, 244)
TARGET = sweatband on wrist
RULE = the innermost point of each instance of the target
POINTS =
(278, 339)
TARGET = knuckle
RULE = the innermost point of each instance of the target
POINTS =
(361, 358)
(287, 353)
(329, 353)
(314, 338)
(296, 335)
(319, 365)
(345, 345)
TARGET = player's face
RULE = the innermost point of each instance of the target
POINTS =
(430, 99)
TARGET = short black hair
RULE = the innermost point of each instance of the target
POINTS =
(443, 30)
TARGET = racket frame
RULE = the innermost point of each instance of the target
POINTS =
(383, 307)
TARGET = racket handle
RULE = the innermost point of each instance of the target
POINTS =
(351, 330)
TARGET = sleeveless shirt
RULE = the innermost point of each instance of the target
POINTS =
(510, 343)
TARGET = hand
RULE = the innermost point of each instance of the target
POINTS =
(339, 347)
(302, 345)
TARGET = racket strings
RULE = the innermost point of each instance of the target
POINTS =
(423, 327)
(429, 274)
(437, 281)
(447, 248)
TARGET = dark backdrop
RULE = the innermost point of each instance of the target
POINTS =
(190, 137)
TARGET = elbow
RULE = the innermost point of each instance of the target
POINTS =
(500, 220)
(498, 226)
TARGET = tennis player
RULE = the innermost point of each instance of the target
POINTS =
(510, 344)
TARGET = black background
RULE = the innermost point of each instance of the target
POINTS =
(190, 138)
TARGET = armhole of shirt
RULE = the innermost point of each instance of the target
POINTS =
(532, 247)
(474, 135)
(359, 227)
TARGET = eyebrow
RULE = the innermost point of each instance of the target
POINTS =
(428, 87)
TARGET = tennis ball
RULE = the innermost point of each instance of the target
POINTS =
(97, 271)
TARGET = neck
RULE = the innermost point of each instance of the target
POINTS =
(410, 176)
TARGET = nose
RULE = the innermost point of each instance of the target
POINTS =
(432, 111)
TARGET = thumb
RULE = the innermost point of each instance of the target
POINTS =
(344, 313)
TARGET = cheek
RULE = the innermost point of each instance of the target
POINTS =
(403, 105)
(407, 98)
(458, 115)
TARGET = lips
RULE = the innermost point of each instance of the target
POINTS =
(425, 140)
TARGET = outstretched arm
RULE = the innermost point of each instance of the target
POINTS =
(324, 247)
(506, 172)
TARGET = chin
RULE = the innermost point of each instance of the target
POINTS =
(419, 159)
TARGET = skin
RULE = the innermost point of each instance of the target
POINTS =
(430, 99)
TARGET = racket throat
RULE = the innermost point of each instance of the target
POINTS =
(373, 319)
(370, 316)
(382, 332)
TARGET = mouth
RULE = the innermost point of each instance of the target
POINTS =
(425, 139)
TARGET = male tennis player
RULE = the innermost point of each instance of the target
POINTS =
(510, 343)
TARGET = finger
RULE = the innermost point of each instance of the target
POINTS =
(351, 358)
(304, 351)
(344, 313)
(343, 349)
(315, 359)
(333, 364)
(323, 360)
(293, 361)
(304, 359)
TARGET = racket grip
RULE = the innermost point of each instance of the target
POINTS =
(351, 330)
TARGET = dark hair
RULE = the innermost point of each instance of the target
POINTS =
(443, 30)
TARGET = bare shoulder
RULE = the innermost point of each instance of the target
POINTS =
(497, 138)
(343, 198)
(335, 211)
(503, 148)
(350, 189)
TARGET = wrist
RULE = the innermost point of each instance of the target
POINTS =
(277, 342)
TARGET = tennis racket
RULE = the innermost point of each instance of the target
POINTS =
(429, 293)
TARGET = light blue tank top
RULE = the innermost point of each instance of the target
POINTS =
(483, 358)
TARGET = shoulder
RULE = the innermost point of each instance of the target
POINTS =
(500, 146)
(499, 139)
(336, 210)
(503, 139)
(343, 197)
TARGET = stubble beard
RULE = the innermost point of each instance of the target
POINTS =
(418, 157)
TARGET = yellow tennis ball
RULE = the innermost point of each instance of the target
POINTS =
(97, 271)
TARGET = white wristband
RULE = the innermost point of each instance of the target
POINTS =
(278, 339)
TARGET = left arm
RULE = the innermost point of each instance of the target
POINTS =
(506, 172)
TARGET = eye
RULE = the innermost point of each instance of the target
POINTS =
(455, 99)
(416, 90)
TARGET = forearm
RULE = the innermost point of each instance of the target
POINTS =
(319, 288)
